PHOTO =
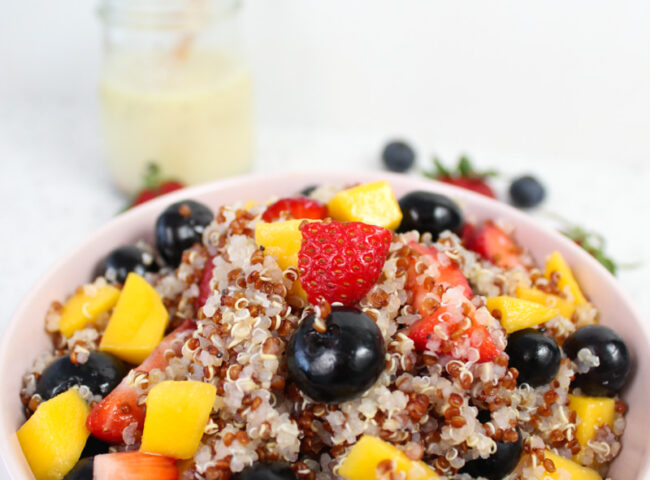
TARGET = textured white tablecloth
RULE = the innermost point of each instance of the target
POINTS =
(54, 188)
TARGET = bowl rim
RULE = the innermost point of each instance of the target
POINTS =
(324, 177)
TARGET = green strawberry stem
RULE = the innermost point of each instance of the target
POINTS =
(464, 169)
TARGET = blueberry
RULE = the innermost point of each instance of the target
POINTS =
(609, 377)
(94, 446)
(341, 363)
(179, 227)
(83, 470)
(429, 212)
(499, 464)
(266, 471)
(398, 156)
(526, 192)
(101, 373)
(123, 260)
(536, 357)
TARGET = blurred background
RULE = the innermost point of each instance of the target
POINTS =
(557, 89)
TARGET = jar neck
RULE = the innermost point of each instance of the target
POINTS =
(165, 14)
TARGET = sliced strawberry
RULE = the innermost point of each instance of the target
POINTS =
(340, 262)
(108, 419)
(477, 185)
(449, 276)
(299, 207)
(495, 245)
(134, 466)
(204, 284)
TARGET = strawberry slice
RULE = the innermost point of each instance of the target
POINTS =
(495, 245)
(448, 273)
(449, 276)
(134, 466)
(300, 207)
(119, 409)
(204, 284)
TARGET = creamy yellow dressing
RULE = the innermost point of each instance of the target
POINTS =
(191, 115)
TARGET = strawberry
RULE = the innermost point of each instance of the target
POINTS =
(108, 419)
(464, 177)
(449, 276)
(340, 262)
(495, 245)
(204, 284)
(134, 466)
(300, 207)
(448, 273)
(154, 186)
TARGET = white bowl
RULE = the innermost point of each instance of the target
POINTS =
(25, 337)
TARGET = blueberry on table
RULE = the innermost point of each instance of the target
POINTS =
(266, 471)
(83, 470)
(535, 356)
(124, 260)
(180, 226)
(340, 363)
(499, 464)
(609, 377)
(398, 156)
(101, 373)
(526, 192)
(429, 212)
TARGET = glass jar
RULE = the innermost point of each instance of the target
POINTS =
(174, 91)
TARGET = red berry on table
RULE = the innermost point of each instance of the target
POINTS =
(297, 208)
(134, 466)
(464, 176)
(154, 186)
(340, 262)
(495, 245)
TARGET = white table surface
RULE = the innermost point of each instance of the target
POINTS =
(54, 190)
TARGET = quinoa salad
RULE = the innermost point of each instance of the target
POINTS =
(335, 333)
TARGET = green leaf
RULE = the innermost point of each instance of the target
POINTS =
(465, 167)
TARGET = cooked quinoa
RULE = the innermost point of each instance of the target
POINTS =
(427, 404)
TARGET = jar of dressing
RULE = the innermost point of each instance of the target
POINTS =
(174, 91)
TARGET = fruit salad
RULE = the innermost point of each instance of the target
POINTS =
(334, 333)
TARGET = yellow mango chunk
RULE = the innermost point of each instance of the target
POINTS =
(565, 308)
(575, 471)
(82, 309)
(54, 437)
(593, 412)
(364, 457)
(371, 203)
(517, 314)
(280, 239)
(556, 264)
(177, 413)
(138, 322)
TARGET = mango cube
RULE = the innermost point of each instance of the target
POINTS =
(280, 239)
(371, 203)
(564, 466)
(82, 309)
(54, 437)
(517, 314)
(556, 264)
(593, 412)
(369, 452)
(565, 308)
(138, 322)
(177, 413)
